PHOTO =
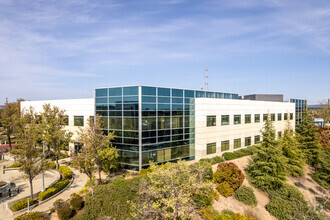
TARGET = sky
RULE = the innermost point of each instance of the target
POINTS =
(65, 48)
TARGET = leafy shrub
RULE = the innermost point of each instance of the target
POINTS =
(77, 203)
(312, 191)
(53, 190)
(287, 202)
(209, 213)
(229, 155)
(320, 189)
(228, 212)
(111, 200)
(144, 171)
(66, 172)
(74, 195)
(246, 195)
(65, 212)
(32, 216)
(229, 176)
(62, 156)
(22, 204)
(58, 203)
(298, 184)
(240, 153)
(207, 167)
(50, 165)
(225, 189)
(203, 198)
(324, 202)
(15, 165)
(212, 161)
(215, 195)
(322, 179)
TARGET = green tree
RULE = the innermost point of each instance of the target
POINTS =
(27, 153)
(9, 118)
(109, 160)
(266, 169)
(290, 148)
(308, 140)
(94, 140)
(166, 192)
(52, 123)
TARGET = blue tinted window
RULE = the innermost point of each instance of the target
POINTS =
(210, 94)
(102, 113)
(101, 107)
(177, 92)
(115, 92)
(115, 99)
(148, 99)
(148, 90)
(189, 100)
(163, 92)
(189, 93)
(131, 106)
(148, 106)
(164, 107)
(134, 90)
(131, 98)
(101, 100)
(101, 92)
(227, 96)
(163, 100)
(177, 107)
(200, 94)
(177, 100)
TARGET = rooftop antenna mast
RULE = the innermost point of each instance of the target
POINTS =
(206, 79)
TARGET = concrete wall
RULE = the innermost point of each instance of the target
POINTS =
(218, 133)
(265, 97)
(72, 107)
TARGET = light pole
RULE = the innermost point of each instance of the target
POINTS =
(43, 176)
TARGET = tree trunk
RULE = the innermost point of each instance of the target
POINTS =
(99, 171)
(90, 179)
(57, 165)
(31, 188)
(9, 141)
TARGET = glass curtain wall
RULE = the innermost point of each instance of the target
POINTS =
(167, 122)
(300, 104)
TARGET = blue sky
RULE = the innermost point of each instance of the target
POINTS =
(66, 48)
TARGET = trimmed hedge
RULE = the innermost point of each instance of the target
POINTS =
(239, 153)
(66, 172)
(22, 204)
(246, 195)
(213, 160)
(53, 190)
(15, 165)
(32, 216)
(50, 165)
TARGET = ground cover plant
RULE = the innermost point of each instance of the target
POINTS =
(213, 160)
(228, 178)
(246, 195)
(22, 204)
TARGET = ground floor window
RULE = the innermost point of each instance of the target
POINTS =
(247, 141)
(257, 139)
(211, 148)
(237, 143)
(224, 145)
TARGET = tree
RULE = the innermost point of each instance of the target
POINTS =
(308, 140)
(9, 117)
(290, 148)
(27, 153)
(266, 169)
(95, 142)
(167, 191)
(52, 123)
(109, 160)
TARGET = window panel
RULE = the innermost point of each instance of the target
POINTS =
(177, 122)
(164, 122)
(272, 117)
(131, 113)
(131, 124)
(189, 93)
(291, 116)
(279, 116)
(115, 123)
(177, 107)
(128, 157)
(101, 107)
(164, 132)
(237, 119)
(115, 91)
(115, 99)
(164, 113)
(177, 92)
(148, 123)
(131, 107)
(78, 120)
(177, 100)
(101, 100)
(131, 90)
(101, 92)
(102, 113)
(256, 118)
(160, 155)
(224, 146)
(285, 116)
(164, 107)
(148, 113)
(115, 106)
(210, 94)
(177, 113)
(131, 134)
(237, 143)
(127, 99)
(149, 99)
(257, 139)
(163, 92)
(247, 141)
(247, 119)
(148, 90)
(200, 94)
(115, 113)
(211, 148)
(164, 100)
(224, 119)
(265, 117)
(211, 120)
(148, 106)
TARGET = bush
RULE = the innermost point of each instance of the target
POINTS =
(320, 189)
(287, 202)
(77, 203)
(209, 213)
(65, 212)
(228, 212)
(21, 204)
(229, 176)
(324, 202)
(111, 200)
(246, 195)
(225, 189)
(298, 184)
(66, 172)
(240, 153)
(144, 171)
(50, 165)
(15, 165)
(215, 195)
(32, 216)
(212, 161)
(62, 156)
(58, 203)
(74, 195)
(312, 191)
(53, 190)
(203, 198)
